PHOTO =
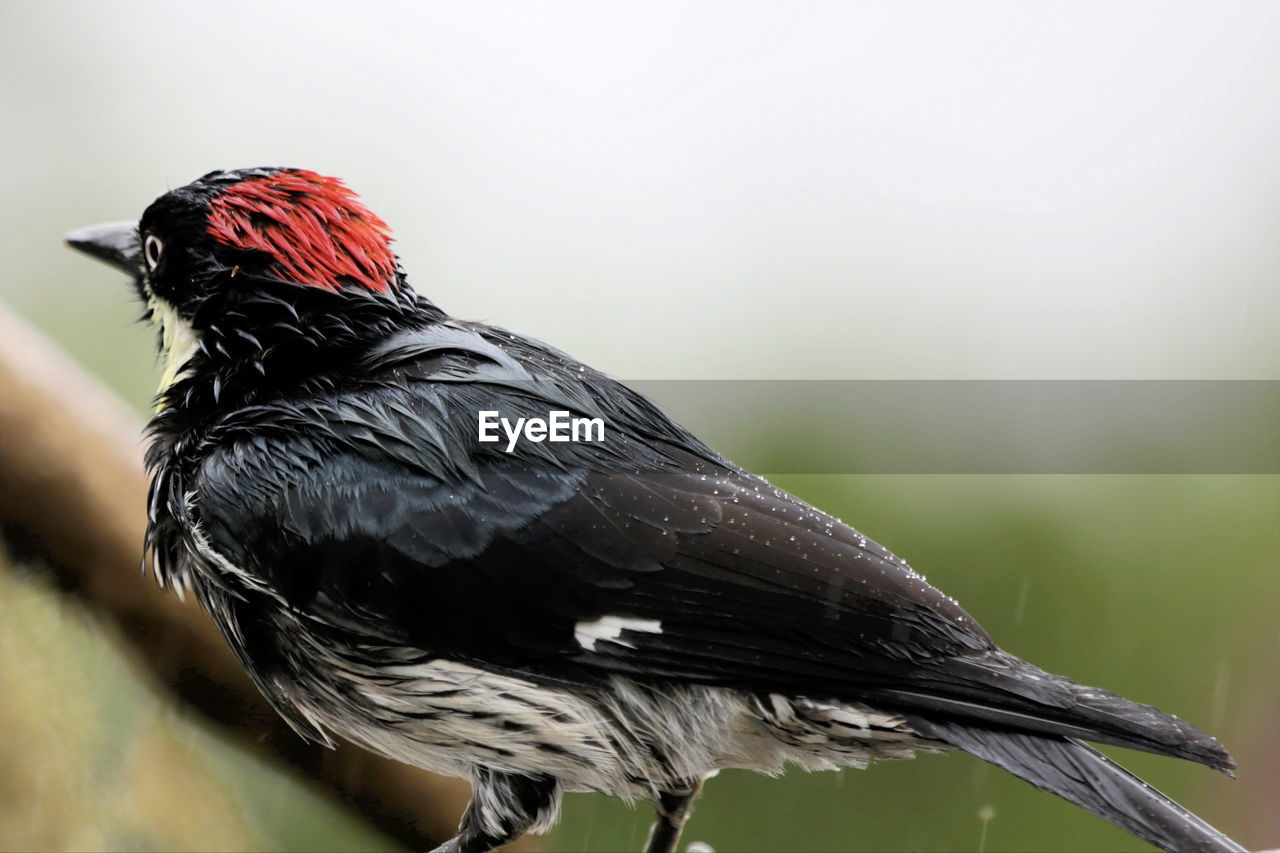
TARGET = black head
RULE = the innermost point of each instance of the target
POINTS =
(270, 269)
(288, 226)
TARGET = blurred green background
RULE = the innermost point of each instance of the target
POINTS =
(719, 191)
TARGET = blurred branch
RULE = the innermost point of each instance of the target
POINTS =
(73, 495)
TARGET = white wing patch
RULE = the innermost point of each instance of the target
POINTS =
(610, 628)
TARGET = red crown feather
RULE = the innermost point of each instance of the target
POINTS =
(314, 228)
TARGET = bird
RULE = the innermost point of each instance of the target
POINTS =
(395, 522)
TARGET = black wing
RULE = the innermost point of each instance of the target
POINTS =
(378, 511)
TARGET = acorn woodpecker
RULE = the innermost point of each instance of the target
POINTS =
(395, 522)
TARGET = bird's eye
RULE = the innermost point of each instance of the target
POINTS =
(152, 249)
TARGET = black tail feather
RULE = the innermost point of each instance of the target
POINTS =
(997, 690)
(1082, 775)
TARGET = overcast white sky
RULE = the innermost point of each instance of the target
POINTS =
(711, 190)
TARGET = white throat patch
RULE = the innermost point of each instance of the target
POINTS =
(178, 342)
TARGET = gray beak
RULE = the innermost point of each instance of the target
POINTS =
(114, 243)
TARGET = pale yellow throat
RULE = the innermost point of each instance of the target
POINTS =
(178, 342)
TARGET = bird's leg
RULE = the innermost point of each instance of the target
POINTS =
(672, 810)
(502, 808)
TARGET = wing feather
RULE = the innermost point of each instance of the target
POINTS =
(380, 513)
